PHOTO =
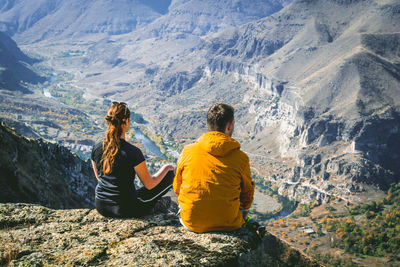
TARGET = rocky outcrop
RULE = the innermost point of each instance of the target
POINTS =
(35, 235)
(20, 127)
(319, 179)
(179, 82)
(35, 171)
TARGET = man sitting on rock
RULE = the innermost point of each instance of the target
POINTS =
(213, 181)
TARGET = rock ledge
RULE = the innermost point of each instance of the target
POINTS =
(34, 235)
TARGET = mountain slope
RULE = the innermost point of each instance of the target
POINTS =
(44, 19)
(204, 17)
(129, 61)
(33, 21)
(14, 66)
(35, 171)
(317, 82)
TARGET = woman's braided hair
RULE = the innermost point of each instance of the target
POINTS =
(117, 114)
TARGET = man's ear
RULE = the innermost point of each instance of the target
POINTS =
(229, 126)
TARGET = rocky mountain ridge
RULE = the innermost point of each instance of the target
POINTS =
(35, 171)
(32, 22)
(201, 18)
(48, 19)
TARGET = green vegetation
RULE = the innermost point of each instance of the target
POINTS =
(287, 205)
(377, 231)
(330, 208)
(303, 210)
(329, 260)
(367, 209)
(264, 185)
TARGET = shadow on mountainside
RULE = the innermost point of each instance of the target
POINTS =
(14, 67)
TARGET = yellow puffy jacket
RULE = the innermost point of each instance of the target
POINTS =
(213, 182)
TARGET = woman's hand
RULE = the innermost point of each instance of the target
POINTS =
(167, 168)
(151, 181)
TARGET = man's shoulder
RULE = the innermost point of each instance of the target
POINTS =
(241, 154)
(241, 158)
(188, 150)
(190, 146)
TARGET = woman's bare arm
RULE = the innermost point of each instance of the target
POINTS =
(151, 181)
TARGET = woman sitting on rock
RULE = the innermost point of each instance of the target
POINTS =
(115, 163)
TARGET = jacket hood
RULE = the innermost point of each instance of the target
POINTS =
(217, 143)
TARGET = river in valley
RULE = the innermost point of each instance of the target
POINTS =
(148, 144)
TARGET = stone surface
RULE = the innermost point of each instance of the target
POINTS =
(32, 235)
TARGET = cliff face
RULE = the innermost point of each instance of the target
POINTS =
(14, 66)
(34, 235)
(39, 172)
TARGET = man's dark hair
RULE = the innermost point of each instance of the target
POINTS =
(218, 117)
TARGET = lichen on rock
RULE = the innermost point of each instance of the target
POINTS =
(33, 235)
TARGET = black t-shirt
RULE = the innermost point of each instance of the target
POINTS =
(118, 186)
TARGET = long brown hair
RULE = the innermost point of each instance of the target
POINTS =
(117, 114)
